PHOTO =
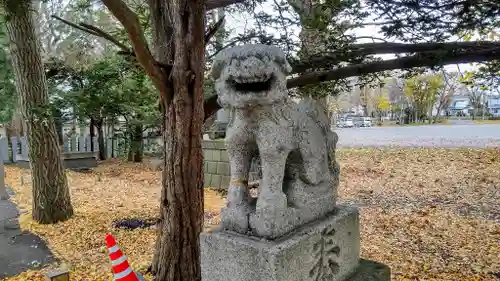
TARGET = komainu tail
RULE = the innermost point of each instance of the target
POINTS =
(317, 112)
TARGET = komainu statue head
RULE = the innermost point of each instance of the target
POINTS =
(250, 75)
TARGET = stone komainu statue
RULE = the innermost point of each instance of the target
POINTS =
(293, 141)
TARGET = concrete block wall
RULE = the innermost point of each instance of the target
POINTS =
(216, 166)
(217, 169)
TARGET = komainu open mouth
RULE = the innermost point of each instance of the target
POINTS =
(253, 84)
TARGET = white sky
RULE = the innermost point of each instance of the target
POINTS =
(238, 22)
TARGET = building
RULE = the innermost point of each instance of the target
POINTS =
(459, 106)
(493, 105)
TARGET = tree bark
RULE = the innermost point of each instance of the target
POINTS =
(51, 197)
(177, 255)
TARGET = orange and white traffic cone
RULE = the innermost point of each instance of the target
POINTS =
(122, 271)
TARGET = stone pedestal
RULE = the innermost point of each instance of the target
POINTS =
(325, 249)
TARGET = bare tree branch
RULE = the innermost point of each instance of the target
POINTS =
(76, 26)
(360, 50)
(213, 29)
(429, 59)
(130, 22)
(372, 38)
(94, 31)
(106, 36)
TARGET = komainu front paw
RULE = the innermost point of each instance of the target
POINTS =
(235, 219)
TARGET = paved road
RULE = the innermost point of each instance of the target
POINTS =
(19, 250)
(460, 134)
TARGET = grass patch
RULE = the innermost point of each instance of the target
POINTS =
(439, 122)
(487, 121)
(430, 214)
(393, 124)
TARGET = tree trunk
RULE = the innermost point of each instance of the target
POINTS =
(100, 139)
(312, 39)
(59, 125)
(138, 140)
(130, 154)
(92, 133)
(365, 110)
(136, 150)
(51, 197)
(177, 253)
(10, 131)
(438, 112)
(111, 132)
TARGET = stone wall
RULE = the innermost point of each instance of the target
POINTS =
(216, 166)
(217, 169)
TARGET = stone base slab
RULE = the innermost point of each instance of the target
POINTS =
(325, 249)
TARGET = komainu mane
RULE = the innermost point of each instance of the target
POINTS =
(294, 142)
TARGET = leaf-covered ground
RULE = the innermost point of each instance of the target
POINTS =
(430, 214)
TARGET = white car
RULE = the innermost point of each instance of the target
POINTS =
(364, 122)
(346, 123)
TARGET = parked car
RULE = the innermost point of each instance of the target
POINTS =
(363, 122)
(337, 124)
(346, 123)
